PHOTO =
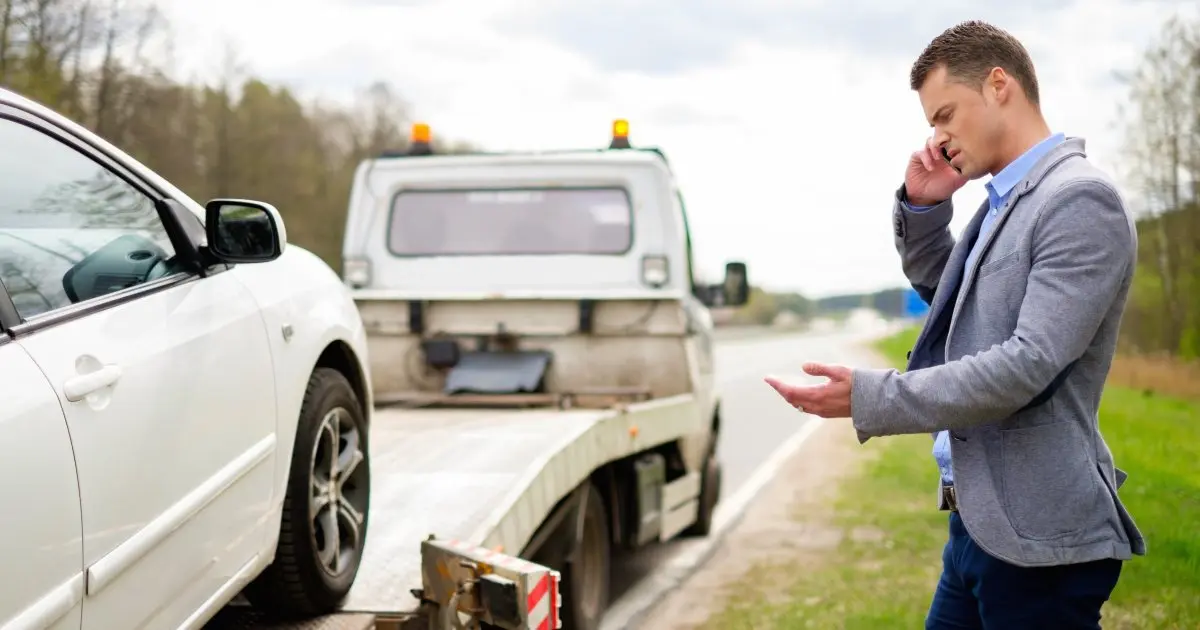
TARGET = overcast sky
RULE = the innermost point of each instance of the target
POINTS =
(788, 122)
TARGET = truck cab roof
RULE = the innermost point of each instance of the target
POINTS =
(560, 224)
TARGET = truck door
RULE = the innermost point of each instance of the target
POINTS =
(41, 540)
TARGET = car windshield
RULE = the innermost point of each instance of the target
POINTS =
(511, 221)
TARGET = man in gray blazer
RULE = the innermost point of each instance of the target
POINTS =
(1008, 371)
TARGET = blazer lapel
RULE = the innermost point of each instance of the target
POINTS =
(951, 274)
(993, 230)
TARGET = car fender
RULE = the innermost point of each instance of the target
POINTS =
(305, 308)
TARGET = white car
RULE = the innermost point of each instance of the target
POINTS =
(185, 398)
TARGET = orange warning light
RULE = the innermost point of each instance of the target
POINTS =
(620, 134)
(420, 133)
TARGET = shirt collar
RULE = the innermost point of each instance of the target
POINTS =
(1003, 182)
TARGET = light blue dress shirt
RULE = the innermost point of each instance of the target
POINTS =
(998, 190)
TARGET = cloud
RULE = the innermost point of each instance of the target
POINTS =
(674, 36)
(787, 123)
(387, 4)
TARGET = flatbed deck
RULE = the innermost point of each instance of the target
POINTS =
(449, 472)
(488, 477)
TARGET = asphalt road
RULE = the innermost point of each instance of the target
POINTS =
(755, 420)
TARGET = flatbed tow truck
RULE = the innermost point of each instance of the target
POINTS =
(541, 357)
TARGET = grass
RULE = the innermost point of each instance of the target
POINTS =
(886, 580)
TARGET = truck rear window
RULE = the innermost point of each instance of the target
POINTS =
(510, 221)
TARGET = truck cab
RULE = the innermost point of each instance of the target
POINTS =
(583, 254)
(550, 280)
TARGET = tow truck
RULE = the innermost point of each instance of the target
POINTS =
(541, 355)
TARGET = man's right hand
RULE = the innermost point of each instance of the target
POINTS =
(929, 179)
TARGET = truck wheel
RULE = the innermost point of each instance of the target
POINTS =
(325, 507)
(710, 493)
(585, 581)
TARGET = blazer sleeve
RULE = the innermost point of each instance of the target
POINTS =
(923, 240)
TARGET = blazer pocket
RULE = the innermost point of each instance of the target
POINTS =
(1000, 264)
(1049, 482)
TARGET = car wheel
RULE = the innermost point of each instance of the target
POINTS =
(325, 509)
(585, 579)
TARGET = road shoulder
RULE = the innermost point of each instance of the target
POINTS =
(792, 520)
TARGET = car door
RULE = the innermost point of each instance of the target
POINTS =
(164, 377)
(41, 550)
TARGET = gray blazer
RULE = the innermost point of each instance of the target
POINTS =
(1013, 359)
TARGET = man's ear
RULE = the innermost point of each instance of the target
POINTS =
(998, 86)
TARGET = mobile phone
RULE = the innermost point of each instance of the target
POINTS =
(946, 156)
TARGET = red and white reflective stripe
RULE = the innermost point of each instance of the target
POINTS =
(542, 603)
(554, 603)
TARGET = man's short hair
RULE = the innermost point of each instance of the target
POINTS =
(969, 51)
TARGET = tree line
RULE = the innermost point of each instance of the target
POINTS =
(1162, 136)
(765, 307)
(100, 63)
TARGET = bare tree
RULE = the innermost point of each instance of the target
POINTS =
(1163, 147)
(98, 61)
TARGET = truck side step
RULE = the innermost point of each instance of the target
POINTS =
(680, 505)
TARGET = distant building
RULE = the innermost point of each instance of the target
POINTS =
(865, 319)
(823, 325)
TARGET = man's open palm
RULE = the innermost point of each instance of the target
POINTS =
(830, 399)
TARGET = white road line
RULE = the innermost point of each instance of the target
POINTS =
(626, 612)
(731, 508)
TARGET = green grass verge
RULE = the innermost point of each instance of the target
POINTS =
(883, 572)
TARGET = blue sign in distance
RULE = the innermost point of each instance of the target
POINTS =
(914, 306)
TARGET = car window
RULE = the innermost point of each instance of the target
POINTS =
(70, 229)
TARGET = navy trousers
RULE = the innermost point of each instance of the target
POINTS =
(981, 592)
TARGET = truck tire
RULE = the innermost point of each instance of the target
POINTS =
(710, 494)
(318, 558)
(585, 581)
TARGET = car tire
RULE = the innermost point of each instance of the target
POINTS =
(585, 580)
(317, 558)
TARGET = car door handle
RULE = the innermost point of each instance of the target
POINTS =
(77, 388)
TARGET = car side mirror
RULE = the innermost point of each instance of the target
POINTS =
(244, 231)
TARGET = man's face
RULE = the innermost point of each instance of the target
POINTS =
(965, 121)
